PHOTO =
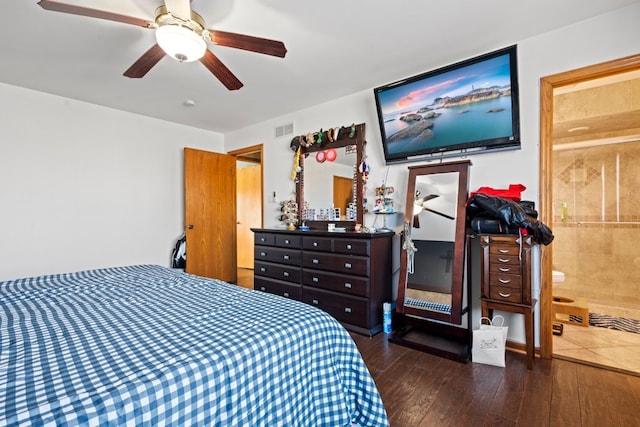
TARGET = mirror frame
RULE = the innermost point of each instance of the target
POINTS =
(457, 279)
(359, 140)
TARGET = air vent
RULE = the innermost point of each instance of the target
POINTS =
(284, 130)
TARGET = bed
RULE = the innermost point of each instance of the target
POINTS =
(148, 345)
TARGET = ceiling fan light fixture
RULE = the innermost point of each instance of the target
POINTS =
(181, 43)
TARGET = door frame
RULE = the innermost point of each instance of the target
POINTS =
(547, 85)
(248, 154)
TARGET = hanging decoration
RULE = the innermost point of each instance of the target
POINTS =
(296, 164)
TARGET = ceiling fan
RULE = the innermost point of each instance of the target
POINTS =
(180, 33)
(419, 206)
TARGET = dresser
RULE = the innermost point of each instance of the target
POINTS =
(506, 280)
(345, 274)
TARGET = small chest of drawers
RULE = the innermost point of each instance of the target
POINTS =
(506, 280)
(347, 275)
(506, 268)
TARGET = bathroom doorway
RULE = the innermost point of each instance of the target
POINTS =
(590, 149)
(249, 206)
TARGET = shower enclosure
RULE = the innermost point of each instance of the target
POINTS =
(596, 223)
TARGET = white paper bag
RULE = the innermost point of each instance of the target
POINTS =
(489, 342)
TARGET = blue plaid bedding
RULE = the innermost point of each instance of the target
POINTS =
(147, 345)
(427, 305)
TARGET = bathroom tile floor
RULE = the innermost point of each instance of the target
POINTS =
(608, 348)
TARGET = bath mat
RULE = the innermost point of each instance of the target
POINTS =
(612, 322)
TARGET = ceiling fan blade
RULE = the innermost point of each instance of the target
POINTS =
(416, 221)
(145, 62)
(438, 213)
(219, 70)
(250, 43)
(179, 8)
(93, 13)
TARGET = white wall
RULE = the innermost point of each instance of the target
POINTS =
(603, 38)
(82, 186)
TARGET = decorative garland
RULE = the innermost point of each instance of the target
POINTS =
(330, 135)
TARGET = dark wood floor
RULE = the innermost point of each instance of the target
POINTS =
(419, 389)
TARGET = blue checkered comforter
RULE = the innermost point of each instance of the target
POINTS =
(147, 345)
(427, 305)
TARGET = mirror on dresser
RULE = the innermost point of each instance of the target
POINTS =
(330, 177)
(432, 262)
(330, 183)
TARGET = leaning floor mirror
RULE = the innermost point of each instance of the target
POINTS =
(432, 261)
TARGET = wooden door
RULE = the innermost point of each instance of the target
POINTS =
(342, 193)
(210, 214)
(249, 211)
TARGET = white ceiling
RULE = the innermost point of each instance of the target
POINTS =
(335, 48)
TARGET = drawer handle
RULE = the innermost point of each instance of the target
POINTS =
(286, 242)
(347, 265)
(285, 274)
(262, 288)
(262, 239)
(315, 244)
(315, 280)
(349, 247)
(504, 280)
(504, 295)
(504, 269)
(316, 261)
(347, 309)
(347, 285)
(263, 254)
(315, 301)
(286, 294)
(503, 251)
(262, 269)
(285, 257)
(503, 260)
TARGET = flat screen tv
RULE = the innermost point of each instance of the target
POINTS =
(465, 108)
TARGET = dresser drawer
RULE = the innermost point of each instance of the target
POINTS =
(281, 256)
(504, 259)
(312, 243)
(351, 285)
(288, 241)
(513, 281)
(265, 239)
(278, 271)
(501, 293)
(352, 247)
(277, 287)
(504, 249)
(348, 309)
(505, 268)
(358, 266)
